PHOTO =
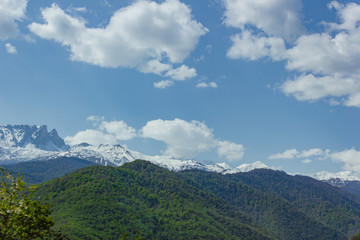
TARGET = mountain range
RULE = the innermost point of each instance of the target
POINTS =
(25, 143)
(105, 192)
(140, 200)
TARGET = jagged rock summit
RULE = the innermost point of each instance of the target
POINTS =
(36, 136)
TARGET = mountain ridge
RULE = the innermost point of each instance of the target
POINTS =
(21, 143)
(156, 197)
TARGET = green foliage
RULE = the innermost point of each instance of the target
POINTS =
(274, 213)
(21, 217)
(356, 237)
(141, 201)
(322, 202)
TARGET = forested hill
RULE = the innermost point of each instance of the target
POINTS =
(140, 199)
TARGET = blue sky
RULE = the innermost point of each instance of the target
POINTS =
(217, 80)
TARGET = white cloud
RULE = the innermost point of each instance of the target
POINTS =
(105, 132)
(79, 9)
(91, 136)
(181, 73)
(264, 25)
(326, 55)
(311, 88)
(95, 119)
(164, 84)
(148, 36)
(10, 48)
(249, 46)
(11, 11)
(288, 154)
(326, 63)
(231, 151)
(188, 139)
(207, 85)
(351, 159)
(119, 129)
(311, 153)
(154, 66)
(183, 139)
(330, 60)
(349, 15)
(280, 18)
(306, 161)
(293, 153)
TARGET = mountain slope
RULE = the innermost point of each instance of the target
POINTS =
(326, 204)
(140, 198)
(35, 172)
(274, 213)
(38, 136)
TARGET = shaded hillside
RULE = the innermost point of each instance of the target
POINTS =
(273, 212)
(41, 171)
(141, 199)
(329, 205)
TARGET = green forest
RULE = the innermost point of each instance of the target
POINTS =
(142, 201)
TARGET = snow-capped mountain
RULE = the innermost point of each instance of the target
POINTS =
(346, 180)
(247, 167)
(117, 155)
(339, 176)
(19, 143)
(114, 155)
(38, 136)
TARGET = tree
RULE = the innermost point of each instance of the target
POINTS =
(20, 217)
(356, 237)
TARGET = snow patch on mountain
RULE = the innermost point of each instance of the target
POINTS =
(19, 143)
(343, 175)
(115, 155)
(38, 136)
(247, 167)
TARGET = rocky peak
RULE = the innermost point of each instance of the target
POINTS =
(23, 135)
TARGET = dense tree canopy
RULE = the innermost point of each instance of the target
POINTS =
(21, 217)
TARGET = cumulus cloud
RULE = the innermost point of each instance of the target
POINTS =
(10, 48)
(264, 26)
(182, 138)
(311, 153)
(91, 136)
(326, 55)
(249, 46)
(105, 132)
(280, 18)
(231, 151)
(187, 139)
(306, 161)
(181, 73)
(119, 129)
(11, 11)
(350, 158)
(311, 88)
(146, 35)
(294, 153)
(207, 85)
(326, 63)
(330, 59)
(164, 84)
(287, 154)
